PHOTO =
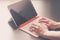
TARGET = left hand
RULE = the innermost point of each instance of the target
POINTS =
(51, 24)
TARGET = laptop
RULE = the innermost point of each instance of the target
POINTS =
(24, 15)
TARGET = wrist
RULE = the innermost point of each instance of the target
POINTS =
(43, 33)
(57, 25)
(46, 34)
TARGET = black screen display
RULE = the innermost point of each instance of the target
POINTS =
(22, 11)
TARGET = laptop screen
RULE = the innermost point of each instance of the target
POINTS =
(22, 11)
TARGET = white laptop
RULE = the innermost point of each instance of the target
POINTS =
(24, 15)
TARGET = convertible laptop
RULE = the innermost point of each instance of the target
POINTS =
(24, 15)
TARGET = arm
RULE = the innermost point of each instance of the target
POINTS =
(58, 25)
(44, 32)
(51, 34)
(51, 24)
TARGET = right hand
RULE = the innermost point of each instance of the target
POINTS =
(38, 29)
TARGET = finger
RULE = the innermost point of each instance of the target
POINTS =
(34, 29)
(43, 21)
(48, 25)
(37, 31)
(43, 18)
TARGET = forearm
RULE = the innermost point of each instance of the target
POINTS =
(58, 25)
(51, 34)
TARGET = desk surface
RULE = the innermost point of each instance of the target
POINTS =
(7, 32)
(43, 8)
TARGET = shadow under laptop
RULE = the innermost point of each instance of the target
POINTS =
(12, 24)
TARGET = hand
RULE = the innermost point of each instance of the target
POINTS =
(49, 22)
(38, 29)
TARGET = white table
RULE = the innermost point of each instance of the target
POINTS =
(7, 32)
